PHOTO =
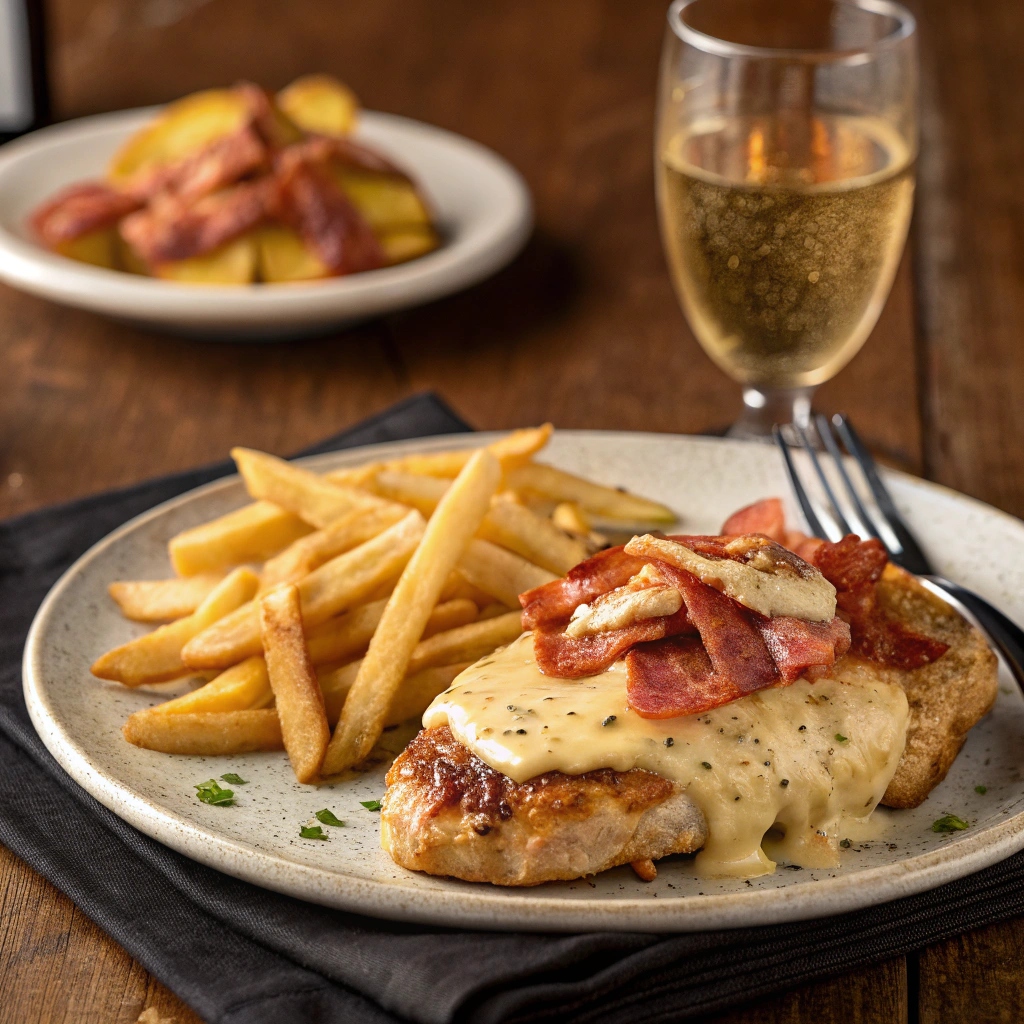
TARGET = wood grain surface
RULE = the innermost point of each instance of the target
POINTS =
(582, 329)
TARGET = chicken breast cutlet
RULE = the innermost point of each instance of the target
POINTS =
(447, 813)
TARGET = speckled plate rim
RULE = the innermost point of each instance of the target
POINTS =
(485, 907)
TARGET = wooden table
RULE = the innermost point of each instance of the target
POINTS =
(582, 329)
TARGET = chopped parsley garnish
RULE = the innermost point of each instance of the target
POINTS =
(981, 790)
(371, 805)
(312, 832)
(840, 738)
(235, 780)
(949, 823)
(329, 818)
(705, 764)
(845, 843)
(211, 793)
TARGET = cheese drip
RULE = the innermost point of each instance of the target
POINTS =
(796, 760)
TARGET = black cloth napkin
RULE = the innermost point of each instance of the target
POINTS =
(242, 955)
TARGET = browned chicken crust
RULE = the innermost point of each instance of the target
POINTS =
(447, 813)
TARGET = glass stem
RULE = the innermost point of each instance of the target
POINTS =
(764, 407)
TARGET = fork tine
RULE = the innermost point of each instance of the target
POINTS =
(798, 488)
(911, 557)
(836, 510)
(829, 440)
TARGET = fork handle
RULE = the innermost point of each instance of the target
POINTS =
(1006, 635)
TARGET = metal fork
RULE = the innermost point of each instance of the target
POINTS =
(1005, 636)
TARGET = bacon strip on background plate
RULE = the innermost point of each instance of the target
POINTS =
(325, 217)
(78, 210)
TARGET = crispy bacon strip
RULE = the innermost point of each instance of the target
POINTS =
(319, 149)
(217, 165)
(325, 217)
(169, 229)
(737, 651)
(77, 210)
(854, 567)
(674, 677)
(766, 516)
(576, 657)
(801, 648)
(555, 602)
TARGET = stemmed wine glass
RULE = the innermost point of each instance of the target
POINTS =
(785, 151)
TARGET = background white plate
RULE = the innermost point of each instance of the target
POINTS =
(481, 203)
(79, 719)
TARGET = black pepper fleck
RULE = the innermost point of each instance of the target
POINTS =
(520, 732)
(706, 765)
(608, 720)
(784, 782)
(803, 728)
(669, 741)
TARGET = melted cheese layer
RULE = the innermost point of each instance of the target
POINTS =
(795, 760)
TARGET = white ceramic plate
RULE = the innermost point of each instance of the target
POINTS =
(482, 206)
(79, 719)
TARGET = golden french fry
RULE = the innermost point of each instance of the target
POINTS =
(510, 450)
(349, 635)
(538, 540)
(508, 523)
(313, 550)
(411, 700)
(466, 643)
(492, 611)
(315, 499)
(449, 530)
(205, 732)
(243, 687)
(568, 516)
(559, 486)
(162, 600)
(250, 534)
(458, 586)
(156, 657)
(501, 573)
(342, 583)
(300, 704)
(421, 492)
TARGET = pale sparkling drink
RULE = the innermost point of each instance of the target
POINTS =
(785, 152)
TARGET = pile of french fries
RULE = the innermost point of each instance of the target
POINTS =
(377, 586)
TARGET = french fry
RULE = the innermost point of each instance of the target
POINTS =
(568, 516)
(342, 583)
(310, 552)
(205, 732)
(492, 611)
(162, 600)
(349, 635)
(313, 498)
(500, 573)
(250, 534)
(411, 700)
(300, 704)
(156, 657)
(508, 523)
(466, 643)
(458, 586)
(510, 451)
(559, 486)
(243, 687)
(538, 540)
(414, 489)
(449, 530)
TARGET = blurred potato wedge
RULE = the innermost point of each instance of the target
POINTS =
(98, 248)
(320, 104)
(233, 263)
(284, 256)
(404, 244)
(387, 201)
(180, 129)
